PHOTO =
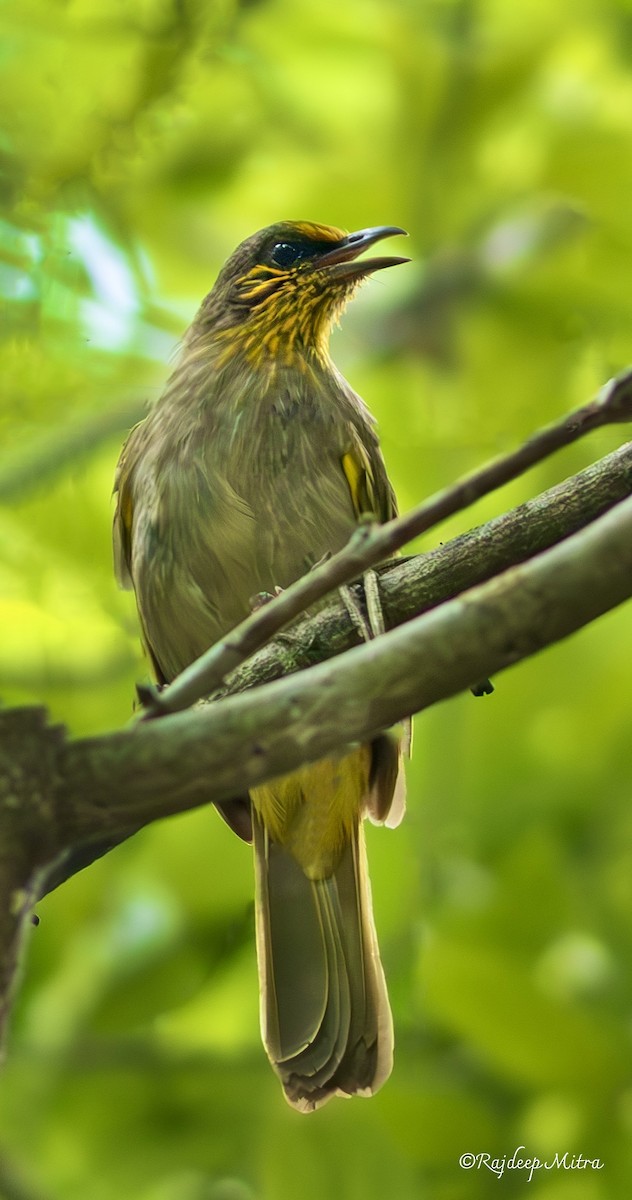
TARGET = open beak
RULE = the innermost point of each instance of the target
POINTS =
(341, 261)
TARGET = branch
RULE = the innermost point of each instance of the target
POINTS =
(57, 795)
(409, 587)
(371, 545)
(412, 586)
(216, 751)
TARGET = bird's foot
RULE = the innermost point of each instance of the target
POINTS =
(262, 598)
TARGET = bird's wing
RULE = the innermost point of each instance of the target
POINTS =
(373, 496)
(365, 472)
(124, 513)
(235, 812)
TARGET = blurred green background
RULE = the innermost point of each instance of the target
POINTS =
(141, 140)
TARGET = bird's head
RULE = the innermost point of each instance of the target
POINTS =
(279, 293)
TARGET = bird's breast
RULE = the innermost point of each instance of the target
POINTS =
(281, 451)
(250, 495)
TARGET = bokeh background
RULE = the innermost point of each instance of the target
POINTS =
(141, 140)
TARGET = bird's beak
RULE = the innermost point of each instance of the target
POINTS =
(341, 261)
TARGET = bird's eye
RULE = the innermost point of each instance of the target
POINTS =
(284, 254)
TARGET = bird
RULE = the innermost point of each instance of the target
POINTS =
(256, 462)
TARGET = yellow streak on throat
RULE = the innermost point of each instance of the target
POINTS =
(293, 319)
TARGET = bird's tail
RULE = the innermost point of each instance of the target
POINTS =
(325, 1016)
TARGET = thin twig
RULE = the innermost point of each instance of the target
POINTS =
(370, 545)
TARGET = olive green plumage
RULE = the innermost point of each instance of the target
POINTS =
(257, 460)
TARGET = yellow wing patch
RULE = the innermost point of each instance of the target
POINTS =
(359, 476)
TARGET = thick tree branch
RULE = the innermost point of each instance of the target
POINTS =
(217, 750)
(412, 586)
(55, 796)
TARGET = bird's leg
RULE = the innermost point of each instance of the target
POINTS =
(368, 621)
(354, 612)
(373, 599)
(369, 624)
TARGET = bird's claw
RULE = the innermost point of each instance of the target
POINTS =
(260, 599)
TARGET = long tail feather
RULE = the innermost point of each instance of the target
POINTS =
(325, 1016)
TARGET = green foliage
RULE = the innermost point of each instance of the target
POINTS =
(140, 142)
